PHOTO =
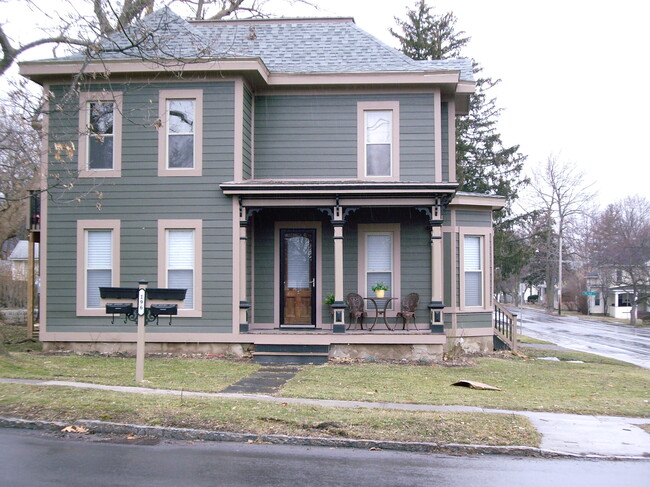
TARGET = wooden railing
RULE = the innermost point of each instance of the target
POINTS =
(505, 326)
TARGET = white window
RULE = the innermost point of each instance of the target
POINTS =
(98, 263)
(180, 136)
(378, 134)
(180, 262)
(379, 261)
(378, 140)
(473, 264)
(100, 134)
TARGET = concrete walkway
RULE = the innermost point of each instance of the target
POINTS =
(569, 434)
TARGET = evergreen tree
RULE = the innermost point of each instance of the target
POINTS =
(484, 164)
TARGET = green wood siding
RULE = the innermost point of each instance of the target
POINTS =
(300, 136)
(474, 218)
(247, 132)
(139, 198)
(474, 320)
(445, 141)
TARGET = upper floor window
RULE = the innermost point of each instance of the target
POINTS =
(181, 133)
(98, 262)
(100, 134)
(378, 140)
(473, 266)
(379, 131)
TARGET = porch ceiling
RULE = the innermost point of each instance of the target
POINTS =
(332, 192)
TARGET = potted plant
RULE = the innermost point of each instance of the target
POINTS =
(380, 289)
(329, 299)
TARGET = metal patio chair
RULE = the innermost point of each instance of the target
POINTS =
(409, 304)
(356, 308)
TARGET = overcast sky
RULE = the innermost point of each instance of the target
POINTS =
(573, 75)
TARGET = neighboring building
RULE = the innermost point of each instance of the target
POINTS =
(19, 259)
(289, 159)
(612, 297)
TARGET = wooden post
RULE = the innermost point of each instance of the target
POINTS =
(30, 285)
(142, 321)
(338, 307)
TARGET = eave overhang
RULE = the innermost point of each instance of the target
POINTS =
(257, 193)
(253, 69)
(478, 200)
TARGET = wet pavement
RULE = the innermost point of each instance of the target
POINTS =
(35, 459)
(588, 334)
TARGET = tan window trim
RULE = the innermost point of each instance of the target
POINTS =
(362, 107)
(197, 226)
(82, 153)
(370, 228)
(163, 97)
(82, 227)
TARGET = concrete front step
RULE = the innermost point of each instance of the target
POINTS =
(290, 354)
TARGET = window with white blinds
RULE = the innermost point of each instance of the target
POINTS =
(99, 264)
(379, 261)
(473, 263)
(180, 262)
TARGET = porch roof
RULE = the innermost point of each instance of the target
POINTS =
(345, 192)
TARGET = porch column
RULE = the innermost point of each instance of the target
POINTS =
(338, 307)
(436, 322)
(244, 305)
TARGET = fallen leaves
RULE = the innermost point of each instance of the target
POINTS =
(75, 429)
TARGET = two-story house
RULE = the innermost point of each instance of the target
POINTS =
(261, 165)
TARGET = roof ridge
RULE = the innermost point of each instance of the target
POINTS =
(269, 20)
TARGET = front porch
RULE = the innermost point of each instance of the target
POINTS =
(297, 248)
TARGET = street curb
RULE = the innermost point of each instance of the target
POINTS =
(186, 434)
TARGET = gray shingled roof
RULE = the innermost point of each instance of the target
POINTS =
(284, 45)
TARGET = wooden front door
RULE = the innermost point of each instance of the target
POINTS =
(297, 277)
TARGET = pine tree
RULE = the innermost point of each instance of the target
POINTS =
(484, 164)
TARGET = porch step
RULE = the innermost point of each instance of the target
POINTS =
(290, 354)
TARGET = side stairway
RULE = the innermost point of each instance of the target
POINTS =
(505, 328)
(291, 354)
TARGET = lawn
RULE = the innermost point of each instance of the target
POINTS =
(66, 404)
(190, 374)
(527, 384)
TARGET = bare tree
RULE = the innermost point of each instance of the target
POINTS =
(19, 158)
(88, 24)
(561, 193)
(621, 246)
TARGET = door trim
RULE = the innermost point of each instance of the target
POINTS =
(318, 295)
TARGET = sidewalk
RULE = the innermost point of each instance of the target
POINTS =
(564, 434)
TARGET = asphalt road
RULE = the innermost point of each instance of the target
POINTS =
(36, 459)
(618, 341)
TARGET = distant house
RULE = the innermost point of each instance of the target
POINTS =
(282, 161)
(19, 260)
(611, 297)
